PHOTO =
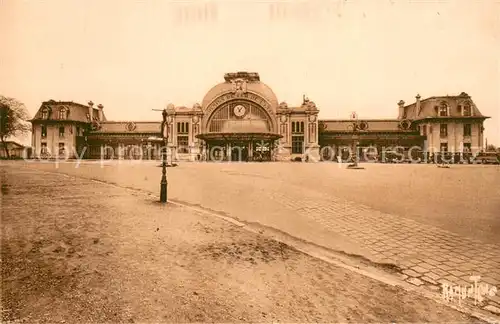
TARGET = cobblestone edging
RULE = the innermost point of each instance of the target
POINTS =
(427, 255)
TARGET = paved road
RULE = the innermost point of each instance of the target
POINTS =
(75, 251)
(435, 224)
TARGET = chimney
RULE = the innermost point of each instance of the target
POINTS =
(417, 104)
(101, 113)
(91, 110)
(401, 105)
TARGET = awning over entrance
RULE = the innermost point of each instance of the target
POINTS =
(238, 136)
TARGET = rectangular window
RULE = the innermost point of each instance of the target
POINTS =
(182, 128)
(44, 131)
(444, 147)
(183, 144)
(467, 110)
(443, 130)
(443, 111)
(467, 148)
(298, 127)
(467, 129)
(62, 114)
(297, 144)
(77, 131)
(61, 131)
(424, 130)
(61, 149)
(45, 114)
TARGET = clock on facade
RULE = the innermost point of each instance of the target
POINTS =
(239, 110)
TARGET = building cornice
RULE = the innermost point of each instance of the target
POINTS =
(448, 118)
(109, 134)
(359, 133)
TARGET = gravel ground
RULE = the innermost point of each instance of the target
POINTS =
(78, 251)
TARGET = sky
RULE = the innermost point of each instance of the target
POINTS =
(133, 56)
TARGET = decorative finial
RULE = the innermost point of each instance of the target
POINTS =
(401, 103)
(91, 104)
(418, 96)
(100, 106)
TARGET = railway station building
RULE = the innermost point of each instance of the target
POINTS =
(241, 119)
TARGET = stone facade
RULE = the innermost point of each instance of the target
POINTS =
(450, 123)
(242, 119)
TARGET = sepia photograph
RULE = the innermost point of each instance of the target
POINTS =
(250, 161)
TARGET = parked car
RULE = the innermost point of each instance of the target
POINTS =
(487, 158)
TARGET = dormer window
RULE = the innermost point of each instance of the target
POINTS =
(45, 113)
(62, 113)
(443, 109)
(467, 110)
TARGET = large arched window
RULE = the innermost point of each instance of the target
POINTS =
(239, 116)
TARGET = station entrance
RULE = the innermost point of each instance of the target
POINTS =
(239, 147)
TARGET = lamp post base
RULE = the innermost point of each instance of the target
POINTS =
(163, 191)
(163, 183)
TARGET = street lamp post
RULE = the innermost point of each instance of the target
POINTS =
(356, 126)
(163, 183)
(166, 120)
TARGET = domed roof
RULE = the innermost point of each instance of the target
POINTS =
(253, 84)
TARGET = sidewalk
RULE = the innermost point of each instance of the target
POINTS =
(77, 251)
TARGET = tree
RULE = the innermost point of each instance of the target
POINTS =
(13, 120)
(491, 148)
